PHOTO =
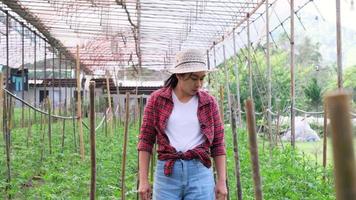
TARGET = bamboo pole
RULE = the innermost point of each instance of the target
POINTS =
(325, 140)
(250, 118)
(43, 121)
(7, 143)
(92, 141)
(1, 100)
(249, 57)
(35, 75)
(221, 105)
(123, 170)
(236, 151)
(269, 115)
(29, 127)
(23, 74)
(110, 113)
(79, 108)
(49, 125)
(339, 45)
(227, 85)
(139, 129)
(237, 81)
(338, 106)
(292, 79)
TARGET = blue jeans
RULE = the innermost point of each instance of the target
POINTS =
(190, 180)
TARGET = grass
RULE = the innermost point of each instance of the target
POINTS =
(62, 174)
(315, 150)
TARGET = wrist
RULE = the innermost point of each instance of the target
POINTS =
(221, 180)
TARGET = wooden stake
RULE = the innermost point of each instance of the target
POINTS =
(250, 118)
(49, 125)
(338, 106)
(325, 140)
(292, 79)
(109, 119)
(139, 129)
(127, 115)
(236, 151)
(79, 108)
(1, 100)
(92, 141)
(29, 128)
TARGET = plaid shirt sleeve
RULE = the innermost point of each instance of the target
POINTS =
(148, 132)
(218, 146)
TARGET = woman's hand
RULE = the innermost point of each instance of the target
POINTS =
(220, 190)
(144, 189)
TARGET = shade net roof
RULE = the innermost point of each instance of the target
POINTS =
(144, 33)
(129, 34)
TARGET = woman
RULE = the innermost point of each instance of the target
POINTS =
(185, 122)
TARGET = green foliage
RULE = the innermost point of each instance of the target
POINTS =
(307, 68)
(288, 175)
(313, 93)
(62, 174)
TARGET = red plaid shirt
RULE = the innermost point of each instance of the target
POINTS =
(157, 111)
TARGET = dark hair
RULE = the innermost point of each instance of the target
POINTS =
(171, 81)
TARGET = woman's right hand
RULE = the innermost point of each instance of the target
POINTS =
(145, 191)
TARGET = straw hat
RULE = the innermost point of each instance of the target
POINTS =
(190, 60)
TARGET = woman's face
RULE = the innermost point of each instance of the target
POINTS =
(190, 83)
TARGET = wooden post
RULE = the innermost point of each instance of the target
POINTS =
(23, 74)
(139, 130)
(63, 131)
(250, 118)
(110, 113)
(7, 142)
(227, 85)
(49, 125)
(269, 115)
(79, 108)
(92, 140)
(29, 127)
(236, 151)
(221, 103)
(292, 84)
(237, 81)
(325, 140)
(1, 100)
(339, 45)
(338, 106)
(249, 56)
(127, 118)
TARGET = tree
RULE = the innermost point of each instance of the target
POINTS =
(313, 93)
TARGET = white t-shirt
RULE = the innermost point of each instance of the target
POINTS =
(183, 129)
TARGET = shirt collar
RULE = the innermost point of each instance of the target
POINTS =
(203, 98)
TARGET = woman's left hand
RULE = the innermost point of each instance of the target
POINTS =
(220, 190)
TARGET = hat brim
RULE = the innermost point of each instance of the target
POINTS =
(190, 68)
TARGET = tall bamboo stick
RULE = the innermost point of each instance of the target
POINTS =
(29, 127)
(7, 142)
(1, 100)
(49, 125)
(109, 119)
(250, 118)
(127, 115)
(292, 79)
(339, 45)
(236, 150)
(92, 141)
(79, 108)
(325, 140)
(338, 106)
